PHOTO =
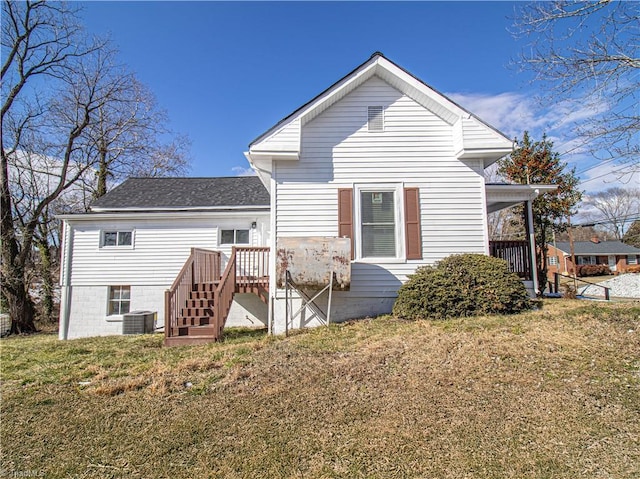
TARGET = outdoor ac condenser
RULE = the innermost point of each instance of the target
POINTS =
(139, 322)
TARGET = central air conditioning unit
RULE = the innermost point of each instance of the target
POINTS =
(139, 322)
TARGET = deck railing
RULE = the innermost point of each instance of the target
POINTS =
(201, 266)
(252, 268)
(516, 254)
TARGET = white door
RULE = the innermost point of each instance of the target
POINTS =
(612, 262)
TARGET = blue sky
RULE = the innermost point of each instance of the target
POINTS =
(228, 71)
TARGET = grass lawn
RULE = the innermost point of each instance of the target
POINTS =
(553, 393)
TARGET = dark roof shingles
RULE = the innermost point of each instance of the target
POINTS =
(602, 248)
(175, 193)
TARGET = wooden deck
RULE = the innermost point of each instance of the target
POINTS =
(199, 300)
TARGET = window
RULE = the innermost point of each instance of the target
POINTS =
(378, 224)
(632, 259)
(372, 216)
(553, 261)
(234, 237)
(117, 238)
(119, 299)
(586, 260)
(375, 118)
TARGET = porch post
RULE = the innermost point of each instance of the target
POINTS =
(532, 245)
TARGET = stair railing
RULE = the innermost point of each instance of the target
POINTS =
(201, 266)
(223, 294)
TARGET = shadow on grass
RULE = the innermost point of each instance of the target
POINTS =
(241, 335)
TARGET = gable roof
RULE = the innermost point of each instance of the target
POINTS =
(135, 194)
(405, 82)
(590, 248)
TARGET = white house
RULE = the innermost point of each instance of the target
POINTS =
(123, 255)
(384, 159)
(379, 162)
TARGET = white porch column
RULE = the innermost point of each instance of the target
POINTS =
(532, 246)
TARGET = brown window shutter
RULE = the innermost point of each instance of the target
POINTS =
(345, 214)
(412, 223)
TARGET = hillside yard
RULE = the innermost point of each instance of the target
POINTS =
(553, 393)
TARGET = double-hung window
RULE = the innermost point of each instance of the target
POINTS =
(378, 223)
(632, 259)
(383, 221)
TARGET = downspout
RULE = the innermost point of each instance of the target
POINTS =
(65, 280)
(532, 245)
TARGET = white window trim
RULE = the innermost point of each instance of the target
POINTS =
(116, 246)
(632, 260)
(235, 229)
(112, 317)
(397, 189)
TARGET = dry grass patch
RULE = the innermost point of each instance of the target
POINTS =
(549, 394)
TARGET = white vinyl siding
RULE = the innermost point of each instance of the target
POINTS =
(287, 138)
(161, 248)
(416, 150)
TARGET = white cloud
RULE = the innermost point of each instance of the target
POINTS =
(242, 171)
(514, 113)
(609, 175)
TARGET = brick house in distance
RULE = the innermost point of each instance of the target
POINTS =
(615, 254)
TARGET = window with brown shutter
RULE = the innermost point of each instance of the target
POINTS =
(412, 223)
(345, 215)
(378, 228)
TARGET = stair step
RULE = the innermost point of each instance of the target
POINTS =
(205, 286)
(194, 321)
(200, 303)
(208, 330)
(196, 312)
(197, 295)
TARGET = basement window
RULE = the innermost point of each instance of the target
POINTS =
(375, 118)
(234, 237)
(119, 300)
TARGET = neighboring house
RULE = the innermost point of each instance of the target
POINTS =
(123, 255)
(614, 254)
(374, 177)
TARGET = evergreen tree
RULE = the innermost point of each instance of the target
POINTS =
(535, 162)
(632, 236)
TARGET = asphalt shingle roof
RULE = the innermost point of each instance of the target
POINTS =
(188, 193)
(602, 248)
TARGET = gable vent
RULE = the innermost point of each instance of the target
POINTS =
(375, 118)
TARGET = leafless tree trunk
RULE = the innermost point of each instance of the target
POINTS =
(93, 115)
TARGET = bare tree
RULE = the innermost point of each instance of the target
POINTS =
(614, 209)
(65, 102)
(586, 53)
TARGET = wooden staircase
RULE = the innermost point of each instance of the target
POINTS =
(198, 302)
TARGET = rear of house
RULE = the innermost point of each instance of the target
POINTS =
(374, 177)
(123, 255)
(385, 160)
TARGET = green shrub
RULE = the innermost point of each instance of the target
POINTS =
(461, 285)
